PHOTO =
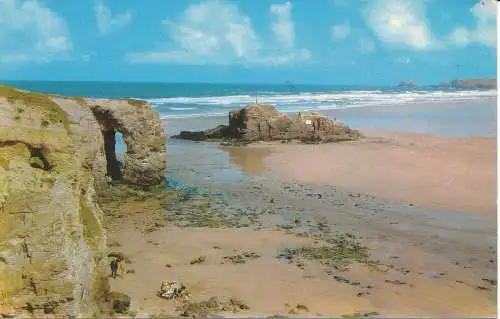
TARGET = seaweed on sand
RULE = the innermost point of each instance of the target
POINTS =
(339, 252)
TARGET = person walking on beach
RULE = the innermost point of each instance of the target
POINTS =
(114, 267)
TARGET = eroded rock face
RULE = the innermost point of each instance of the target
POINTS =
(145, 159)
(254, 122)
(257, 122)
(52, 161)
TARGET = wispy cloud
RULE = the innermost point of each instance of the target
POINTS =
(401, 23)
(283, 26)
(403, 60)
(31, 32)
(106, 22)
(340, 31)
(217, 32)
(366, 45)
(339, 3)
(485, 31)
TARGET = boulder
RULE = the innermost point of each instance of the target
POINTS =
(119, 302)
(260, 122)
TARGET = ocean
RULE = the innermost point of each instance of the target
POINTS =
(181, 100)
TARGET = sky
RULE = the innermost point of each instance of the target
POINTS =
(350, 42)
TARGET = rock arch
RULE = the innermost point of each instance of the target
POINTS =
(143, 133)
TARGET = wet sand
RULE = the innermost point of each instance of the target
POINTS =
(450, 174)
(250, 161)
(435, 265)
(271, 287)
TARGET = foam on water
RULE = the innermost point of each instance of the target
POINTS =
(219, 105)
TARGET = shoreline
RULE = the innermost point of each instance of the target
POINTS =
(443, 173)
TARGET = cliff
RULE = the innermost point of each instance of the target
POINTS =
(55, 156)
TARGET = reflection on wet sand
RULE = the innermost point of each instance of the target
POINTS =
(249, 159)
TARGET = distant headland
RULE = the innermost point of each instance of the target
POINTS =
(479, 83)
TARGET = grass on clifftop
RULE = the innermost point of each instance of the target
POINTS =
(40, 101)
(137, 103)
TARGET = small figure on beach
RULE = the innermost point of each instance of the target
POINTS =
(3, 201)
(114, 267)
(121, 267)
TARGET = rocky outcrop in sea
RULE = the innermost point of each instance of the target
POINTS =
(261, 122)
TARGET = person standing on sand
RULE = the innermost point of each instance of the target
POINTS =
(114, 267)
(122, 268)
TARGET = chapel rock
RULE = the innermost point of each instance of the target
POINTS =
(261, 122)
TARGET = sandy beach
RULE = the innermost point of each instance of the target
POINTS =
(450, 174)
(408, 280)
(422, 207)
(427, 262)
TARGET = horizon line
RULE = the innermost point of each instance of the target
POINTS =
(286, 82)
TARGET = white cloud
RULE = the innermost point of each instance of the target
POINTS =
(485, 31)
(366, 45)
(283, 25)
(341, 31)
(400, 23)
(217, 32)
(31, 32)
(105, 19)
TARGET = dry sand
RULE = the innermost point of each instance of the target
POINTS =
(450, 174)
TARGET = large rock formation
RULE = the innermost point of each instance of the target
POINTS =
(53, 153)
(143, 133)
(258, 122)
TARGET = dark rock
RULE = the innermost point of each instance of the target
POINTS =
(342, 279)
(214, 133)
(492, 282)
(120, 302)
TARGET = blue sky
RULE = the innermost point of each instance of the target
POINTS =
(248, 41)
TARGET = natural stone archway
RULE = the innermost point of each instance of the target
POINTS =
(143, 133)
(112, 164)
